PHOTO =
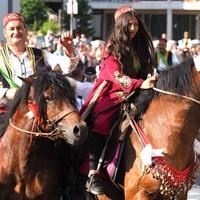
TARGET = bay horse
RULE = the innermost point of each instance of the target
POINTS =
(38, 132)
(159, 161)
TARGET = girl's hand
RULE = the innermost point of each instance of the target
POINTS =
(149, 82)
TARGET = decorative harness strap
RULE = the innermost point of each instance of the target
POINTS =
(173, 182)
(141, 137)
(93, 100)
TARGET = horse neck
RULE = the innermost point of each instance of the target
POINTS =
(173, 126)
(12, 136)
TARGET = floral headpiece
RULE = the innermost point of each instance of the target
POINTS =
(122, 10)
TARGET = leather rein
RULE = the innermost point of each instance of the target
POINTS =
(175, 94)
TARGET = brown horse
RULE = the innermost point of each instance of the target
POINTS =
(38, 130)
(167, 120)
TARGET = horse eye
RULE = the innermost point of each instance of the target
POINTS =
(48, 98)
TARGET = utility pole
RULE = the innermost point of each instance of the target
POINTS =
(72, 9)
(60, 19)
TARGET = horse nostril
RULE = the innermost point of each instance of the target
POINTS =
(76, 131)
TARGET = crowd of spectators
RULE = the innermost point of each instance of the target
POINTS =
(89, 51)
(89, 54)
(168, 54)
(171, 52)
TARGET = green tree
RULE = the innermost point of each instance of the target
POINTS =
(83, 19)
(34, 12)
(49, 25)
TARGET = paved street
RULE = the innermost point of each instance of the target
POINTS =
(194, 193)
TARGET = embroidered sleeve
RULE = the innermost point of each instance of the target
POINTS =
(111, 71)
(124, 80)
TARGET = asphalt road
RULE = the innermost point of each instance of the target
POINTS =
(194, 193)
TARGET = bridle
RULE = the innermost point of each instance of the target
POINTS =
(52, 124)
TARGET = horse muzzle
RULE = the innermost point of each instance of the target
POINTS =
(75, 133)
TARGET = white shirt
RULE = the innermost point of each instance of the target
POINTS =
(185, 43)
(82, 90)
(196, 59)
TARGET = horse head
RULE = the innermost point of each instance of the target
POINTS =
(51, 108)
(39, 129)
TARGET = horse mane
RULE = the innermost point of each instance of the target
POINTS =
(43, 79)
(177, 79)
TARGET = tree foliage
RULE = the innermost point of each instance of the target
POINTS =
(83, 19)
(49, 25)
(34, 12)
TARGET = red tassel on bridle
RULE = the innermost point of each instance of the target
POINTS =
(35, 110)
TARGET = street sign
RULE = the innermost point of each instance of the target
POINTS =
(75, 8)
(69, 8)
(72, 7)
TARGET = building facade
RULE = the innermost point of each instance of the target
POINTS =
(172, 17)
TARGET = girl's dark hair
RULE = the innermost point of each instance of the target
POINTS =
(124, 48)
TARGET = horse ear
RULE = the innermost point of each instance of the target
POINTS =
(28, 80)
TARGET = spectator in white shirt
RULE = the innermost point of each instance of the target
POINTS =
(19, 60)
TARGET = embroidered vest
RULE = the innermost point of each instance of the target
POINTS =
(35, 55)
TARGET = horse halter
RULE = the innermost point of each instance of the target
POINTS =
(51, 124)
